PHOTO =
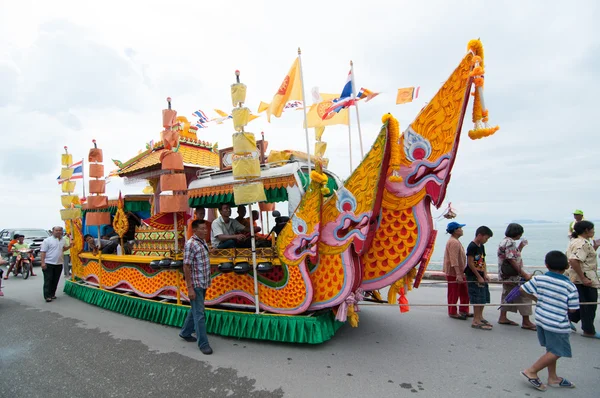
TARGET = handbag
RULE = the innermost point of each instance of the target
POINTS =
(507, 269)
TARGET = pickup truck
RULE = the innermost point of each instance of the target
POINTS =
(33, 236)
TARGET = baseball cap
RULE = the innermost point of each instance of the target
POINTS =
(578, 212)
(453, 226)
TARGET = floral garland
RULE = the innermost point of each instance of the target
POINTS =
(394, 130)
(480, 112)
(321, 179)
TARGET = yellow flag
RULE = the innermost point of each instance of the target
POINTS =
(290, 89)
(262, 107)
(319, 132)
(405, 95)
(221, 113)
(314, 117)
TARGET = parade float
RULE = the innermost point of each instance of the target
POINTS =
(343, 240)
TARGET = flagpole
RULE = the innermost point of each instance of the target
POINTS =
(304, 110)
(350, 140)
(362, 154)
(83, 178)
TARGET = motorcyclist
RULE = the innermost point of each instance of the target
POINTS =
(22, 245)
(11, 258)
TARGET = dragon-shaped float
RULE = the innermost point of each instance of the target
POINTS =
(343, 241)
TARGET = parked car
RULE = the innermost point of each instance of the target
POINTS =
(33, 236)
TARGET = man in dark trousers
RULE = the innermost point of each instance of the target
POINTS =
(52, 261)
(196, 269)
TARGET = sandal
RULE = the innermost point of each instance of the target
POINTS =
(462, 317)
(592, 336)
(532, 328)
(482, 326)
(564, 383)
(536, 383)
(510, 323)
(48, 300)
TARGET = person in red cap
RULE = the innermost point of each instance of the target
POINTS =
(455, 261)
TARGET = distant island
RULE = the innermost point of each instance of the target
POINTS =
(526, 221)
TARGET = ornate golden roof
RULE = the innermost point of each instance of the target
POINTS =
(195, 153)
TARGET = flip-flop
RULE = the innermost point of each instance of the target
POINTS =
(509, 323)
(486, 322)
(482, 326)
(532, 328)
(48, 300)
(461, 317)
(536, 383)
(564, 383)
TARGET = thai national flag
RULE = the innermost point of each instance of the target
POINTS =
(347, 90)
(202, 119)
(201, 115)
(77, 172)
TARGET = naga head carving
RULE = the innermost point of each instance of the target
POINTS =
(346, 222)
(300, 236)
(427, 148)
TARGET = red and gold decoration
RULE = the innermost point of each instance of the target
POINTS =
(96, 201)
(173, 184)
(120, 222)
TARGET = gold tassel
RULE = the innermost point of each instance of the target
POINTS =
(393, 292)
(352, 317)
(480, 113)
(376, 295)
(410, 279)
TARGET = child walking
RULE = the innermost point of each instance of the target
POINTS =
(556, 296)
(477, 277)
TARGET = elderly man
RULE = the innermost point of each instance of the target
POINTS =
(52, 261)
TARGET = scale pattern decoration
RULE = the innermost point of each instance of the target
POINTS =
(427, 150)
(346, 220)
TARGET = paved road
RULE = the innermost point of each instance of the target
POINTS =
(77, 350)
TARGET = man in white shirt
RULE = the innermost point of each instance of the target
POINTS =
(52, 261)
(226, 232)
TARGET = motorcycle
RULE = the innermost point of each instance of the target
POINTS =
(24, 263)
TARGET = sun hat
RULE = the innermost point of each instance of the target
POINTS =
(453, 226)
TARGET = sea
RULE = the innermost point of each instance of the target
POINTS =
(542, 238)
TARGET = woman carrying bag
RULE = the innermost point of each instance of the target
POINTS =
(510, 272)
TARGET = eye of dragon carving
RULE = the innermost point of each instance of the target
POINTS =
(299, 226)
(416, 147)
(346, 202)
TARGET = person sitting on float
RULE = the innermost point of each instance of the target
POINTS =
(108, 246)
(227, 233)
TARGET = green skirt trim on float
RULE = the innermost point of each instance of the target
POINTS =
(315, 328)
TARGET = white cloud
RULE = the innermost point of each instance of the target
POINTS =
(73, 71)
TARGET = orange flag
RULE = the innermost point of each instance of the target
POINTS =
(406, 95)
(290, 89)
